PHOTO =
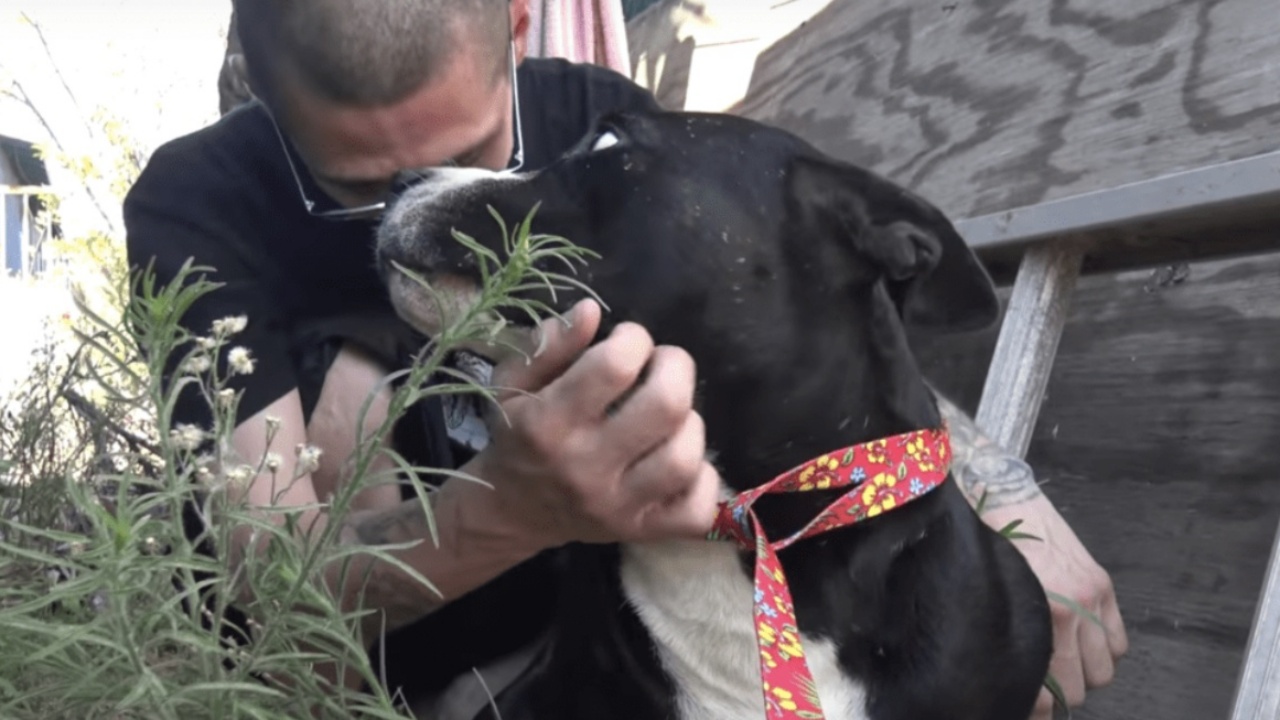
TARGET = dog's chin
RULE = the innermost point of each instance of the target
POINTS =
(450, 299)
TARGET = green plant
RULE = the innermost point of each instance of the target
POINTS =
(108, 606)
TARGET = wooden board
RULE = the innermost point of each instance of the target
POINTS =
(1158, 439)
(983, 106)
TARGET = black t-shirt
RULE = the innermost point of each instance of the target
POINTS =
(224, 197)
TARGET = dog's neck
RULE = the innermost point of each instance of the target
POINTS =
(858, 383)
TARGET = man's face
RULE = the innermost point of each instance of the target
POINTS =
(463, 114)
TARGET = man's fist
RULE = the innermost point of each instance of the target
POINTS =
(569, 463)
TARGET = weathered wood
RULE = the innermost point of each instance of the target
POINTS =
(1258, 691)
(1157, 443)
(1215, 211)
(1028, 342)
(991, 105)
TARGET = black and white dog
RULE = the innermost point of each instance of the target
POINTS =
(789, 277)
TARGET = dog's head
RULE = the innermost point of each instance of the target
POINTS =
(689, 210)
(732, 239)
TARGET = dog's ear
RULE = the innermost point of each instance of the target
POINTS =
(931, 273)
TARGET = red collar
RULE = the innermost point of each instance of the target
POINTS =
(884, 474)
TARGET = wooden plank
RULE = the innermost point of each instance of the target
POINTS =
(1157, 443)
(1227, 209)
(1214, 193)
(1028, 343)
(983, 107)
(1258, 690)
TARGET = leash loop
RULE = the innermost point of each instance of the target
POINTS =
(884, 474)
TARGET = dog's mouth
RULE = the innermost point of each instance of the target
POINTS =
(437, 305)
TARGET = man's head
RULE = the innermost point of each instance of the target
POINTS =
(365, 89)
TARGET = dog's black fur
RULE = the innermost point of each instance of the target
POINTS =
(788, 276)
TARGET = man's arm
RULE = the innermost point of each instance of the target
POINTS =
(979, 464)
(474, 546)
(1084, 653)
(562, 471)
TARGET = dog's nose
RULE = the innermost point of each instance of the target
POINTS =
(418, 214)
(431, 184)
(406, 179)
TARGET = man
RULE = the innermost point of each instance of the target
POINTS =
(281, 197)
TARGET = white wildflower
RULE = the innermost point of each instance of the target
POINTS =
(240, 474)
(273, 423)
(308, 458)
(240, 361)
(197, 364)
(229, 326)
(226, 396)
(272, 462)
(187, 437)
(205, 343)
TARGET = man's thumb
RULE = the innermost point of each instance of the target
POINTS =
(560, 341)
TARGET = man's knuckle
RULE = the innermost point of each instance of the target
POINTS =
(616, 367)
(673, 394)
(685, 467)
(1104, 583)
(537, 431)
(670, 404)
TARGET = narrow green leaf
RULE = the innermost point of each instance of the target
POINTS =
(1077, 608)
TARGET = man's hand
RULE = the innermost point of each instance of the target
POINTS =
(570, 466)
(1084, 654)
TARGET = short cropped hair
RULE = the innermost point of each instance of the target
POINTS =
(365, 52)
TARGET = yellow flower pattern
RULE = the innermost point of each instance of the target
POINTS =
(882, 475)
(820, 475)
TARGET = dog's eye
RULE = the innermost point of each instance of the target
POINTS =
(604, 140)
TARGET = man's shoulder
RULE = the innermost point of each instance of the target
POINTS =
(583, 86)
(560, 100)
(207, 163)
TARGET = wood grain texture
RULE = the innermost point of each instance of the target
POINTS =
(1258, 693)
(1028, 343)
(994, 104)
(1158, 443)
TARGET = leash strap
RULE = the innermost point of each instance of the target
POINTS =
(883, 474)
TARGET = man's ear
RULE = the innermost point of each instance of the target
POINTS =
(931, 273)
(521, 25)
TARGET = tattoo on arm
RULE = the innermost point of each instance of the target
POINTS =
(979, 463)
(397, 599)
(403, 523)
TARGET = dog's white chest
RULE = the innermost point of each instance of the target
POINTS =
(696, 602)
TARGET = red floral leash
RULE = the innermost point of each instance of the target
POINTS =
(884, 474)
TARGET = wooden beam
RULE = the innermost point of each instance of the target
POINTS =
(1215, 190)
(1258, 687)
(1028, 343)
(1222, 210)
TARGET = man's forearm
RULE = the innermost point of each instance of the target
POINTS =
(474, 548)
(980, 464)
